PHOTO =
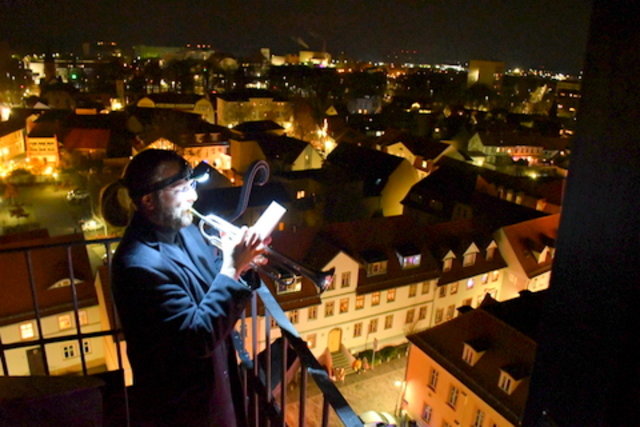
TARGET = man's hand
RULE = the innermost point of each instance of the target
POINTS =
(241, 251)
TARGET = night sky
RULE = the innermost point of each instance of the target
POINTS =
(548, 34)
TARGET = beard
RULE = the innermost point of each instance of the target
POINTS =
(173, 217)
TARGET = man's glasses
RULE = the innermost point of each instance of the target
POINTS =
(188, 185)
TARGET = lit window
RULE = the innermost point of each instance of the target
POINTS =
(64, 322)
(413, 290)
(425, 287)
(311, 340)
(479, 419)
(357, 329)
(84, 317)
(375, 298)
(485, 279)
(422, 313)
(450, 311)
(439, 314)
(426, 413)
(433, 379)
(328, 309)
(469, 259)
(505, 382)
(290, 284)
(68, 351)
(388, 321)
(359, 302)
(293, 316)
(376, 268)
(410, 316)
(470, 283)
(312, 313)
(344, 305)
(27, 331)
(447, 264)
(411, 261)
(373, 326)
(453, 288)
(391, 295)
(300, 194)
(452, 398)
(495, 275)
(345, 279)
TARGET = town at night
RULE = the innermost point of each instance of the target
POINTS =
(385, 213)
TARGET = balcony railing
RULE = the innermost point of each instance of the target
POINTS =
(264, 367)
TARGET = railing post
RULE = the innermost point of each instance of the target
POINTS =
(36, 309)
(76, 309)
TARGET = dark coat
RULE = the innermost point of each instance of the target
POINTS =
(177, 315)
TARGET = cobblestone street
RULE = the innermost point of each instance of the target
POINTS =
(375, 390)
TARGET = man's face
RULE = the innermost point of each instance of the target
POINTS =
(170, 206)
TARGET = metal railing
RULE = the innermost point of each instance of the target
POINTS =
(262, 371)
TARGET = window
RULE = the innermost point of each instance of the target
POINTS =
(479, 419)
(388, 321)
(344, 305)
(27, 331)
(64, 322)
(445, 424)
(467, 301)
(422, 313)
(433, 379)
(410, 315)
(289, 284)
(345, 279)
(376, 268)
(357, 329)
(391, 295)
(68, 351)
(452, 399)
(442, 291)
(373, 326)
(468, 354)
(448, 263)
(439, 313)
(86, 347)
(273, 323)
(312, 313)
(454, 288)
(84, 317)
(328, 309)
(359, 302)
(293, 316)
(469, 259)
(450, 311)
(485, 279)
(300, 194)
(413, 290)
(470, 283)
(411, 261)
(425, 287)
(375, 298)
(495, 275)
(426, 413)
(311, 340)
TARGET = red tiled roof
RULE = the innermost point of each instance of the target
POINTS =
(49, 266)
(533, 235)
(87, 139)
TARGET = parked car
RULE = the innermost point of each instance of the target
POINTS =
(77, 195)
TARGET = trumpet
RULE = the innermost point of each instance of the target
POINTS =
(281, 269)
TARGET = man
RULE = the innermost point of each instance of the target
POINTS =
(178, 299)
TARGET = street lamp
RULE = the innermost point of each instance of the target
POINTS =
(402, 385)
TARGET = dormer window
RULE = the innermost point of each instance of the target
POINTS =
(470, 255)
(473, 350)
(448, 261)
(491, 250)
(510, 377)
(408, 256)
(288, 283)
(376, 263)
